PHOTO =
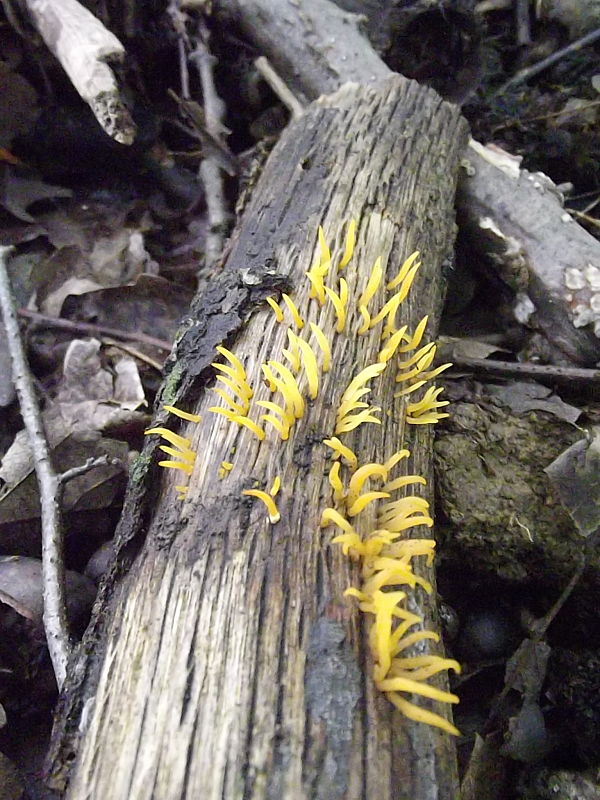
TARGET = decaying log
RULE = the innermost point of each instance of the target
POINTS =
(227, 662)
(516, 217)
(517, 222)
(86, 50)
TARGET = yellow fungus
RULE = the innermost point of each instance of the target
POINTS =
(240, 420)
(183, 414)
(317, 290)
(395, 458)
(389, 350)
(427, 419)
(293, 311)
(389, 310)
(428, 403)
(426, 350)
(336, 483)
(285, 414)
(182, 465)
(409, 389)
(415, 340)
(350, 244)
(325, 253)
(293, 354)
(342, 451)
(352, 421)
(412, 639)
(419, 714)
(339, 304)
(225, 469)
(273, 513)
(233, 360)
(186, 455)
(276, 308)
(372, 284)
(282, 428)
(363, 500)
(324, 345)
(415, 687)
(405, 480)
(241, 390)
(289, 388)
(275, 487)
(356, 390)
(357, 481)
(330, 515)
(364, 312)
(403, 271)
(242, 410)
(173, 438)
(311, 370)
(408, 281)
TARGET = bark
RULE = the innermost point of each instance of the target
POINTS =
(227, 662)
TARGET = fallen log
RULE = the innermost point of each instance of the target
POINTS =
(226, 662)
(515, 220)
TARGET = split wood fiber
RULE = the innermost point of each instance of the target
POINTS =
(231, 665)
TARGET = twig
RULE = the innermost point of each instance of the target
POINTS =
(515, 369)
(98, 330)
(264, 66)
(529, 72)
(53, 569)
(90, 464)
(85, 50)
(210, 171)
(522, 21)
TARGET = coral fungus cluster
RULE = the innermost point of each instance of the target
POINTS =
(371, 505)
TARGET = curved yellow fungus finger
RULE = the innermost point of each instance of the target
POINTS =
(403, 271)
(233, 360)
(417, 370)
(317, 289)
(410, 389)
(405, 505)
(182, 465)
(240, 420)
(372, 284)
(352, 544)
(395, 458)
(411, 548)
(241, 390)
(311, 369)
(336, 483)
(427, 376)
(408, 281)
(428, 419)
(282, 428)
(361, 475)
(294, 352)
(366, 374)
(397, 524)
(352, 421)
(415, 687)
(276, 308)
(242, 410)
(324, 251)
(275, 487)
(293, 311)
(342, 451)
(285, 415)
(405, 480)
(339, 305)
(415, 340)
(423, 351)
(183, 414)
(350, 244)
(363, 500)
(412, 639)
(330, 515)
(292, 392)
(385, 605)
(421, 668)
(395, 576)
(173, 438)
(389, 310)
(232, 373)
(419, 714)
(185, 455)
(324, 345)
(364, 312)
(272, 511)
(389, 350)
(428, 403)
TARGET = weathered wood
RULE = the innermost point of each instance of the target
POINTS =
(231, 665)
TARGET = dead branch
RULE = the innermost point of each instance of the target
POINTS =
(85, 50)
(53, 567)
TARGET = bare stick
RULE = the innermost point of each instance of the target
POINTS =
(530, 72)
(85, 50)
(516, 369)
(53, 569)
(263, 65)
(210, 171)
(90, 464)
(522, 20)
(99, 330)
